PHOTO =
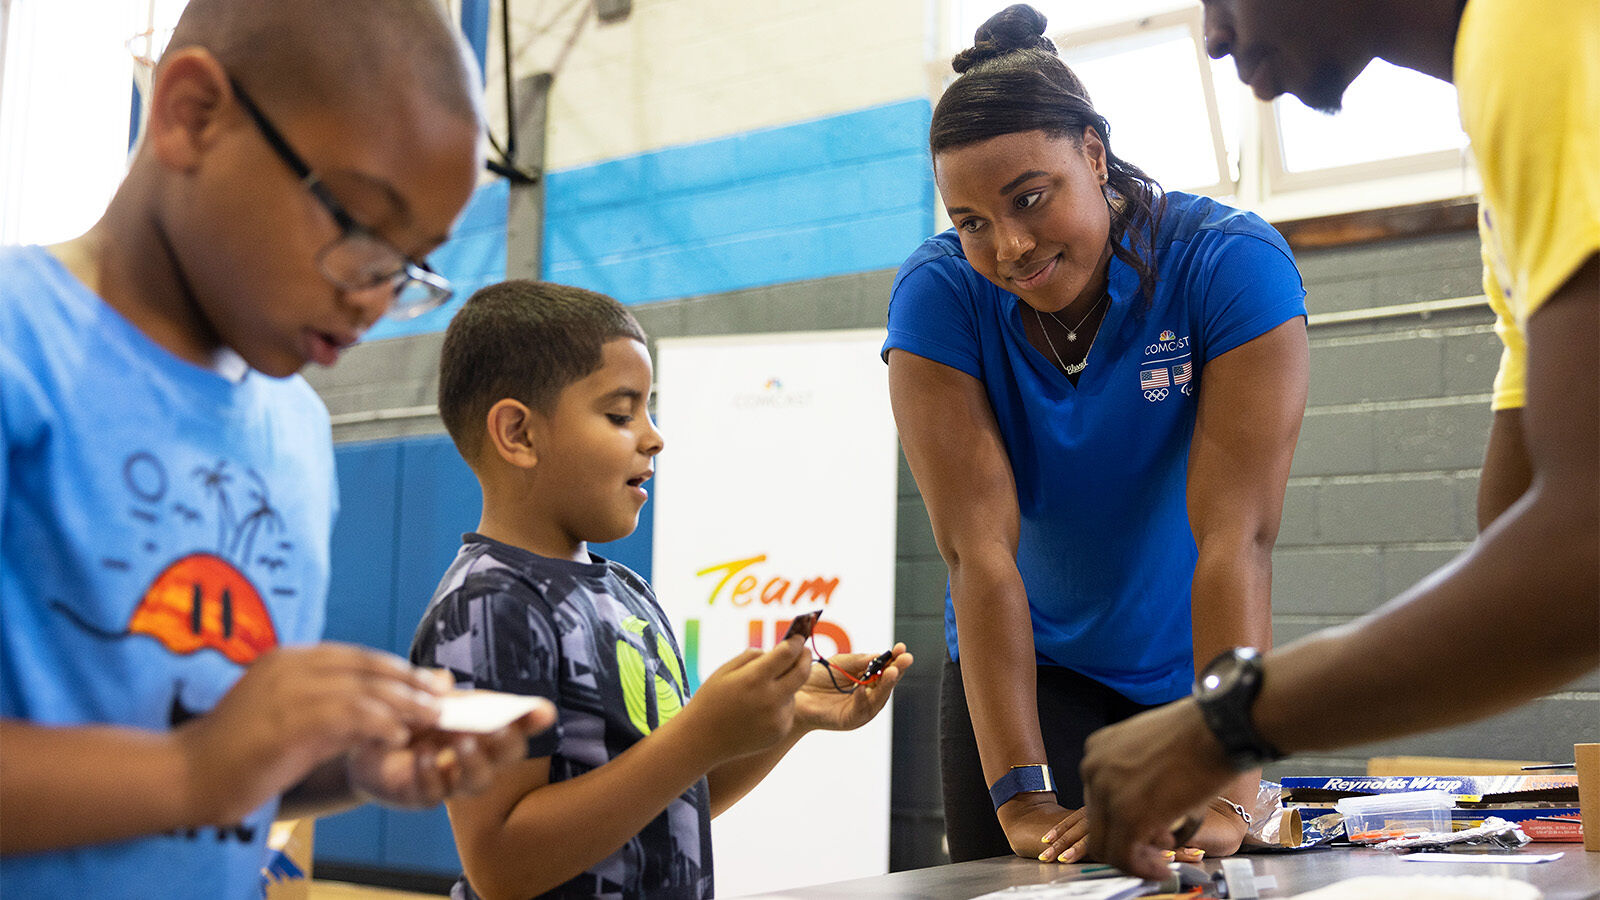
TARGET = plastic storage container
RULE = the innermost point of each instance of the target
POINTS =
(1382, 817)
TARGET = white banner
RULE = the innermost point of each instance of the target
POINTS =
(776, 495)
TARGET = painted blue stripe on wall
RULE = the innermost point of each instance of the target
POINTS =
(844, 194)
(834, 196)
(475, 28)
(475, 256)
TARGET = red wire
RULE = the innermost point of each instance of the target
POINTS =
(824, 661)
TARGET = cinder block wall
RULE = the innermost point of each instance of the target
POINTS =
(1384, 484)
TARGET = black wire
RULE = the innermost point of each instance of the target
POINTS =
(828, 667)
(495, 144)
(510, 153)
(506, 166)
(511, 173)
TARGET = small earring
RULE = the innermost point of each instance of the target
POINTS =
(1104, 177)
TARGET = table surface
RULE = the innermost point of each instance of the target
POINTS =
(1575, 876)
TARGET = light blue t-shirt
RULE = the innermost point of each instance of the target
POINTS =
(1106, 553)
(160, 527)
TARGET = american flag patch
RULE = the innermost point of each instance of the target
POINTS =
(1150, 379)
(1181, 373)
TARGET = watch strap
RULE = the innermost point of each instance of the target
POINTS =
(1021, 780)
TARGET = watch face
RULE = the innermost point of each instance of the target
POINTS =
(1225, 691)
(1220, 676)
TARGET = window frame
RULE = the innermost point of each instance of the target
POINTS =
(1189, 19)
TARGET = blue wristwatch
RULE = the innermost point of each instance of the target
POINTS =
(1021, 780)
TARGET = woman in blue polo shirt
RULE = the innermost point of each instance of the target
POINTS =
(1098, 386)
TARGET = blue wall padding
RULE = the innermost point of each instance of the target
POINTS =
(404, 505)
(474, 256)
(839, 195)
(361, 608)
(439, 501)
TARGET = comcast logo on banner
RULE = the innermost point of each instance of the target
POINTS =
(772, 395)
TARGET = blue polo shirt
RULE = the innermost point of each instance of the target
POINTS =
(1105, 550)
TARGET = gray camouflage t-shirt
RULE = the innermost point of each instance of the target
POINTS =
(590, 637)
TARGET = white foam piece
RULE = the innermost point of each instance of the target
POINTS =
(481, 712)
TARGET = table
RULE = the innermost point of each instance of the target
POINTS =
(1575, 876)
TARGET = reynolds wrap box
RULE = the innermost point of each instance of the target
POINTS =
(1545, 807)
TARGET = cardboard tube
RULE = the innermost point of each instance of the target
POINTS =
(1587, 757)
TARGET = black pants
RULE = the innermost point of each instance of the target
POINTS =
(1071, 707)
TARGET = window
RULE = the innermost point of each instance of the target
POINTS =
(1064, 15)
(1390, 113)
(1174, 132)
(67, 109)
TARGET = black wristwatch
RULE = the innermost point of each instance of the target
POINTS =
(1225, 691)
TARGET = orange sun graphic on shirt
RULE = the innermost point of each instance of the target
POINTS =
(202, 601)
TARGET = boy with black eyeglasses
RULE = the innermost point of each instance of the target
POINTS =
(167, 481)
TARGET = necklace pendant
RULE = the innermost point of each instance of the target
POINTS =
(1072, 335)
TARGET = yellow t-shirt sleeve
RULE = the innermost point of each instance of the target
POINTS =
(1529, 86)
(1510, 382)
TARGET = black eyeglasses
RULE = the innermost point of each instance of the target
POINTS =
(357, 260)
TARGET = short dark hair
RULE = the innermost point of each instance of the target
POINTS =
(321, 54)
(526, 340)
(1011, 80)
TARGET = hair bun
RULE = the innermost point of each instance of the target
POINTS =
(1017, 27)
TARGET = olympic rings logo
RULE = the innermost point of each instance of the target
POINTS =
(1157, 394)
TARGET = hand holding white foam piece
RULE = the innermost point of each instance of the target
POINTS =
(481, 712)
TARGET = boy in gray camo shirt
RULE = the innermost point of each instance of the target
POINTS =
(544, 389)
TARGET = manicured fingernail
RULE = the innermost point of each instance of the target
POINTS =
(1065, 857)
(1045, 856)
(1198, 853)
(1048, 837)
(1169, 854)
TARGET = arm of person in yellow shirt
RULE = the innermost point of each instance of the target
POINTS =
(1506, 470)
(1528, 588)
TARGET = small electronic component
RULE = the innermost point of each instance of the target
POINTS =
(876, 665)
(803, 624)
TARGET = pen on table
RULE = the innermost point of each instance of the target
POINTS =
(1098, 871)
(1570, 765)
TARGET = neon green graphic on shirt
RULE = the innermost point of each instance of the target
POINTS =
(634, 671)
